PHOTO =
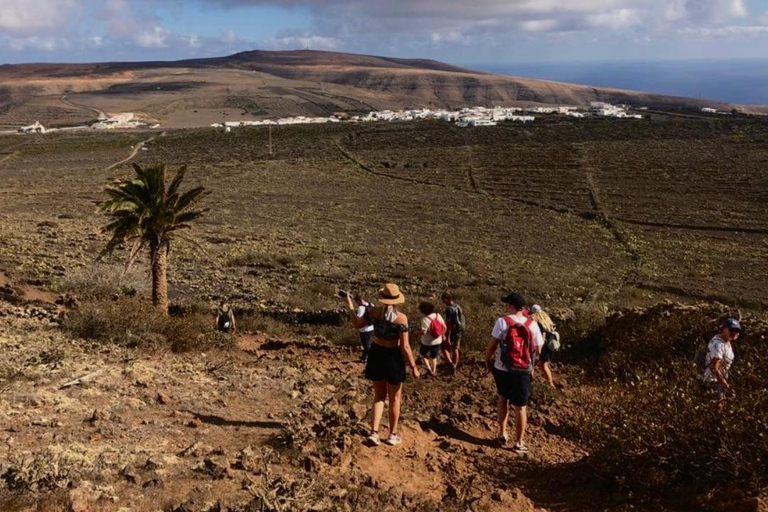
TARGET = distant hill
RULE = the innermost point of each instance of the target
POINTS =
(257, 83)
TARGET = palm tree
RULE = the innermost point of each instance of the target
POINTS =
(147, 213)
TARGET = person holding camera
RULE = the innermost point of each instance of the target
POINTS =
(390, 351)
(366, 333)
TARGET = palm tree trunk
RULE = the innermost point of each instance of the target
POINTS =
(158, 256)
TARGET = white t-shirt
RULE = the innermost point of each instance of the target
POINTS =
(426, 338)
(724, 352)
(360, 312)
(500, 330)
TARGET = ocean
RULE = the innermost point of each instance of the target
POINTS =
(735, 81)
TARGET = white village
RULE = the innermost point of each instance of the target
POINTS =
(463, 118)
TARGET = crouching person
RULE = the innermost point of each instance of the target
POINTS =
(515, 342)
(225, 318)
(387, 358)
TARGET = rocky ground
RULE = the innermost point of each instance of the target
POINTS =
(267, 425)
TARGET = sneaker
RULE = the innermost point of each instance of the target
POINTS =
(393, 440)
(502, 439)
(373, 439)
(520, 448)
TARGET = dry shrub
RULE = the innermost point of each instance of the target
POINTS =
(655, 430)
(650, 338)
(135, 323)
(102, 281)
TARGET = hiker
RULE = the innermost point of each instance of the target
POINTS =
(720, 357)
(551, 340)
(366, 333)
(389, 353)
(454, 321)
(432, 330)
(225, 318)
(515, 343)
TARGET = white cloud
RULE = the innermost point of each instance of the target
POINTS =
(153, 37)
(618, 19)
(313, 42)
(28, 16)
(727, 31)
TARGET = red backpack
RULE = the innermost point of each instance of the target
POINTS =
(518, 350)
(436, 327)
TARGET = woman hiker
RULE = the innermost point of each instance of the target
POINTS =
(389, 353)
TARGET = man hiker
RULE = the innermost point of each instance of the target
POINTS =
(366, 333)
(225, 318)
(511, 356)
(454, 322)
(720, 357)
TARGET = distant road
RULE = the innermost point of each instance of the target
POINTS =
(135, 151)
(100, 113)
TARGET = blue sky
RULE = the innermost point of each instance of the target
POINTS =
(457, 31)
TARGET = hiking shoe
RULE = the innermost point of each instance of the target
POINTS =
(373, 439)
(393, 440)
(520, 448)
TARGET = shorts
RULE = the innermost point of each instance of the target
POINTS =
(546, 354)
(429, 351)
(514, 386)
(453, 343)
(385, 363)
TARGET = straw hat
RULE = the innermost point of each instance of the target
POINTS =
(390, 295)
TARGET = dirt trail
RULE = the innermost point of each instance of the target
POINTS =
(168, 431)
(134, 152)
(100, 113)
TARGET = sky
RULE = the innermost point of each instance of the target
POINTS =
(456, 31)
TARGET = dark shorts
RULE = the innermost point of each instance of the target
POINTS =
(514, 386)
(366, 339)
(454, 342)
(385, 363)
(546, 354)
(429, 351)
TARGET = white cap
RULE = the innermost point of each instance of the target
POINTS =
(535, 308)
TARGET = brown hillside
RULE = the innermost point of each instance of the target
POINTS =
(256, 84)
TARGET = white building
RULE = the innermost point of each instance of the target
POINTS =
(33, 128)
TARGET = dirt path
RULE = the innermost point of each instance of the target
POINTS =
(134, 152)
(165, 430)
(603, 217)
(100, 113)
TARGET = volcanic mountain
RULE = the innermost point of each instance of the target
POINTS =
(257, 84)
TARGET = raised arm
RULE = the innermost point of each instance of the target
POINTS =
(358, 322)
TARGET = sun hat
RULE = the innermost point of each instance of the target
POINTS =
(535, 308)
(390, 295)
(732, 324)
(515, 299)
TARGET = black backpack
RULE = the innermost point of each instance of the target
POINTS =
(225, 320)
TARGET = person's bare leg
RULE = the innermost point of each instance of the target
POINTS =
(548, 373)
(521, 421)
(379, 395)
(455, 358)
(395, 394)
(447, 356)
(503, 415)
(434, 366)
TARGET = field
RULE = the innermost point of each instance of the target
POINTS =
(584, 217)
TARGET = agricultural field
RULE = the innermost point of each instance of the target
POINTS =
(583, 216)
